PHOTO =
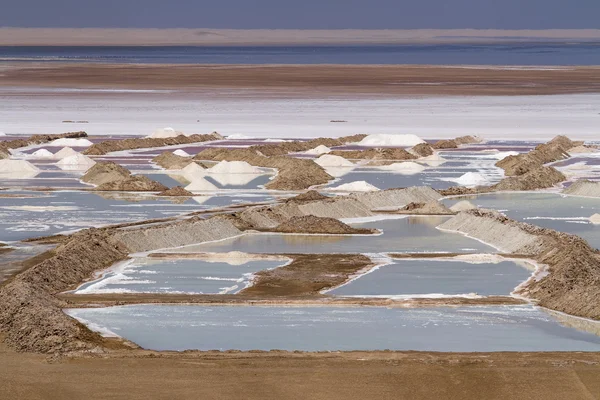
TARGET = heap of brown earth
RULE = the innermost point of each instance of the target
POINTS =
(572, 282)
(294, 173)
(284, 148)
(108, 176)
(176, 191)
(319, 225)
(33, 140)
(555, 150)
(109, 146)
(375, 154)
(539, 178)
(431, 208)
(168, 160)
(454, 143)
(422, 150)
(307, 197)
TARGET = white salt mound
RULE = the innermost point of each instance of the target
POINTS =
(234, 167)
(71, 142)
(234, 179)
(238, 136)
(42, 153)
(181, 153)
(193, 171)
(595, 219)
(163, 133)
(391, 140)
(328, 160)
(321, 149)
(357, 186)
(503, 154)
(463, 205)
(404, 168)
(64, 152)
(17, 169)
(76, 162)
(201, 185)
(434, 160)
(470, 179)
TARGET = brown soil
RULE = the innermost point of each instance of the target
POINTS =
(176, 191)
(307, 275)
(290, 80)
(554, 150)
(468, 139)
(168, 160)
(539, 178)
(35, 139)
(109, 146)
(445, 144)
(461, 190)
(375, 154)
(423, 150)
(280, 149)
(109, 176)
(433, 208)
(312, 224)
(307, 197)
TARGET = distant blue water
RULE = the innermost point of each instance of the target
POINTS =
(474, 54)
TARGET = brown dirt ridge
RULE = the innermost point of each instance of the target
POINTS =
(108, 176)
(35, 139)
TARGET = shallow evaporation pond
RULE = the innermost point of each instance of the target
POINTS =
(428, 277)
(402, 235)
(221, 181)
(462, 329)
(568, 214)
(189, 276)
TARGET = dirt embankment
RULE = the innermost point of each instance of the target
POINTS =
(584, 188)
(422, 150)
(168, 160)
(375, 154)
(539, 178)
(33, 140)
(307, 275)
(572, 283)
(284, 148)
(454, 143)
(312, 224)
(108, 176)
(431, 208)
(555, 150)
(176, 191)
(109, 146)
(307, 197)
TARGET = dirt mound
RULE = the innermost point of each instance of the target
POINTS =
(554, 150)
(284, 148)
(468, 139)
(540, 178)
(311, 195)
(422, 150)
(461, 190)
(175, 191)
(318, 225)
(572, 282)
(168, 160)
(35, 139)
(108, 176)
(445, 144)
(584, 188)
(375, 154)
(109, 146)
(431, 208)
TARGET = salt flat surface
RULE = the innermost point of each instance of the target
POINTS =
(238, 113)
(424, 277)
(462, 329)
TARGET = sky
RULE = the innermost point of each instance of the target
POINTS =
(303, 14)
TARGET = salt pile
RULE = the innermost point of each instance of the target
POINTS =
(17, 169)
(238, 136)
(357, 186)
(501, 155)
(434, 160)
(42, 153)
(234, 179)
(319, 150)
(463, 205)
(201, 185)
(234, 167)
(65, 152)
(404, 168)
(391, 140)
(164, 133)
(333, 161)
(470, 179)
(595, 219)
(193, 171)
(181, 153)
(71, 142)
(77, 162)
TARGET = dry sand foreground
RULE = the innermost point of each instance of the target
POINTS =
(292, 80)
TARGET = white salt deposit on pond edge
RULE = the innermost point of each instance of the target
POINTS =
(463, 205)
(391, 140)
(434, 160)
(404, 168)
(181, 153)
(8, 165)
(333, 161)
(71, 142)
(77, 160)
(503, 154)
(164, 133)
(357, 186)
(42, 153)
(201, 185)
(234, 167)
(595, 219)
(470, 179)
(64, 152)
(193, 171)
(238, 136)
(319, 150)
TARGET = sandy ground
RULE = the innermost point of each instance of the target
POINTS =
(280, 376)
(202, 36)
(313, 79)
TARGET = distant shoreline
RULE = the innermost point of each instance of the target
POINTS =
(273, 37)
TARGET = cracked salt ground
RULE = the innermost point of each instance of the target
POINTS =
(461, 329)
(189, 276)
(567, 214)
